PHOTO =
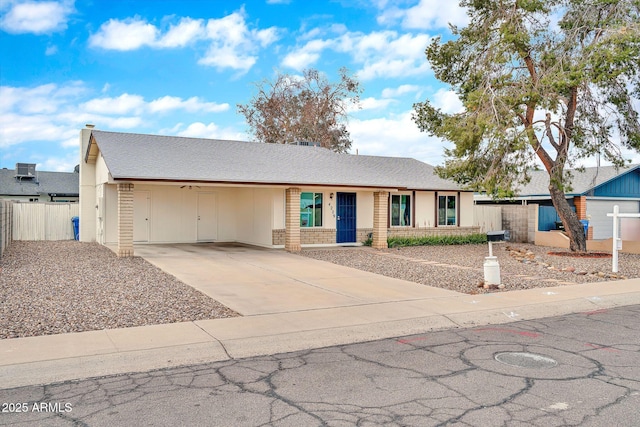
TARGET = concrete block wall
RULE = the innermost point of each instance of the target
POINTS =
(515, 218)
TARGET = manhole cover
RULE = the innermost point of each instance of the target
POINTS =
(526, 360)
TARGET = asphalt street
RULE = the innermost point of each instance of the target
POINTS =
(581, 369)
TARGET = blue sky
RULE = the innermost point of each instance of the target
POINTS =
(179, 67)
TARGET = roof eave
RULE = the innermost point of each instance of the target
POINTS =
(256, 183)
(91, 155)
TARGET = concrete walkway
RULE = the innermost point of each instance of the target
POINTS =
(288, 303)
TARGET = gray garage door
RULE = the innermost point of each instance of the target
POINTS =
(602, 224)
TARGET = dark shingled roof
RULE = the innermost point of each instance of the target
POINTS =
(150, 157)
(44, 183)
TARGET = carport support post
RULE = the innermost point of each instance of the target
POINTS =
(292, 220)
(125, 220)
(380, 209)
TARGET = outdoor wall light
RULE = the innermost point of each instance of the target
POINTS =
(331, 196)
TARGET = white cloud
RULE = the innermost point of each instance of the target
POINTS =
(130, 34)
(426, 15)
(54, 113)
(123, 104)
(182, 34)
(38, 100)
(36, 17)
(126, 103)
(307, 55)
(370, 104)
(71, 142)
(51, 50)
(385, 54)
(300, 60)
(211, 130)
(395, 136)
(120, 122)
(400, 90)
(57, 164)
(17, 128)
(447, 101)
(231, 43)
(382, 54)
(192, 105)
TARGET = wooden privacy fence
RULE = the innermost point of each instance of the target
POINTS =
(44, 221)
(488, 218)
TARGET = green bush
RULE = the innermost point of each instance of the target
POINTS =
(396, 242)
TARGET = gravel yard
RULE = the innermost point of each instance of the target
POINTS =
(460, 268)
(68, 286)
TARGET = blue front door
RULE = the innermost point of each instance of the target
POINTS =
(346, 218)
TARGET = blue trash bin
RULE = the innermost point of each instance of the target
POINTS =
(585, 224)
(76, 227)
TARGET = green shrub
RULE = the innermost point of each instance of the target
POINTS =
(396, 242)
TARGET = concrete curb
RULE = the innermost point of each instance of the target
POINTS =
(55, 358)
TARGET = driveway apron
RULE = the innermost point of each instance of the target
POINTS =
(255, 281)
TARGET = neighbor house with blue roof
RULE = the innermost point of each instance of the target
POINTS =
(137, 188)
(593, 192)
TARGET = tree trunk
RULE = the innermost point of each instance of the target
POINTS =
(572, 226)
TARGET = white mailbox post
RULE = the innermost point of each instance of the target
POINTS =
(617, 241)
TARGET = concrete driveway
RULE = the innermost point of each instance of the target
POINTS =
(257, 281)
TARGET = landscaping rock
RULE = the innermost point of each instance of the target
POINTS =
(69, 286)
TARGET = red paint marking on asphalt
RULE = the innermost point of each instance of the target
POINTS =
(512, 331)
(408, 340)
(589, 313)
(598, 347)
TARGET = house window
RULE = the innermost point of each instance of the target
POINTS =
(311, 210)
(400, 210)
(447, 211)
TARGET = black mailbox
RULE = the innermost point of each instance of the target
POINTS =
(498, 236)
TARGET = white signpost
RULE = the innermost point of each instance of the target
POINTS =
(617, 241)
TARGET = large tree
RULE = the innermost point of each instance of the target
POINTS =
(550, 81)
(306, 108)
